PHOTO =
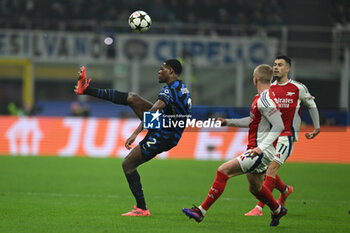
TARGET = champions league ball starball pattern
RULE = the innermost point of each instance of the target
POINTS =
(140, 21)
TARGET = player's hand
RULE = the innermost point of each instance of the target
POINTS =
(313, 134)
(223, 121)
(129, 141)
(254, 152)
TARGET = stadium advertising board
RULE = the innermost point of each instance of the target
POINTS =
(150, 49)
(97, 137)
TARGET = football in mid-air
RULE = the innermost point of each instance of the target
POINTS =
(140, 21)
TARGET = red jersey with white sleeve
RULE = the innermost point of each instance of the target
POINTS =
(265, 122)
(289, 95)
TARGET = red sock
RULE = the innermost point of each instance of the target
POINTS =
(280, 185)
(260, 204)
(270, 184)
(216, 190)
(265, 196)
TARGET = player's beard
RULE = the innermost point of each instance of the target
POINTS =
(278, 78)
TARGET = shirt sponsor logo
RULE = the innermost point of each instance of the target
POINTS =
(284, 102)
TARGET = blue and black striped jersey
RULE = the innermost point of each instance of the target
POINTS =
(178, 106)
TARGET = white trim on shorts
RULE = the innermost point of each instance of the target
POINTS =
(258, 164)
(284, 149)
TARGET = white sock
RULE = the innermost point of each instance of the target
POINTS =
(277, 210)
(202, 210)
(259, 207)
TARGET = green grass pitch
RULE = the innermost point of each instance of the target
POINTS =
(65, 195)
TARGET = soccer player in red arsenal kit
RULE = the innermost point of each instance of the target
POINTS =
(265, 125)
(289, 95)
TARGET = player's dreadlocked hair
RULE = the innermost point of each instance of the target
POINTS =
(175, 65)
(286, 58)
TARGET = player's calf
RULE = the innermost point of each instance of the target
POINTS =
(138, 104)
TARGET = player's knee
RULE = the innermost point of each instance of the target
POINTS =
(223, 169)
(126, 166)
(273, 169)
(132, 97)
(130, 163)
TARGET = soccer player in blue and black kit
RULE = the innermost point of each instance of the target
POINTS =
(174, 99)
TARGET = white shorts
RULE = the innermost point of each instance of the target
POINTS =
(258, 164)
(284, 149)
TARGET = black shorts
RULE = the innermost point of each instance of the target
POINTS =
(154, 143)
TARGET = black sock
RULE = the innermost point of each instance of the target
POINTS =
(136, 189)
(112, 95)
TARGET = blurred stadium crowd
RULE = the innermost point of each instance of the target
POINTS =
(197, 15)
(341, 12)
(59, 14)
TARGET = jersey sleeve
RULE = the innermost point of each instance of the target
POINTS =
(269, 110)
(305, 97)
(308, 100)
(241, 122)
(165, 95)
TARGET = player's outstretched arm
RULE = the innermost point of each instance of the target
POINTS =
(315, 120)
(309, 101)
(223, 121)
(241, 122)
(158, 105)
(133, 136)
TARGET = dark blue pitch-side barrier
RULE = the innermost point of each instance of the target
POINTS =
(328, 116)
